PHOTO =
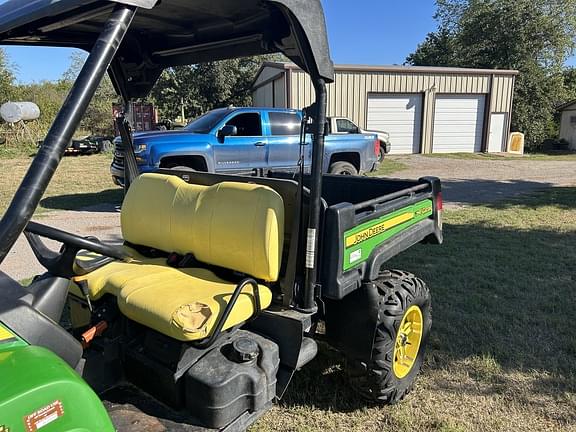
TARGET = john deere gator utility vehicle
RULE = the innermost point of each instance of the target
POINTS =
(214, 298)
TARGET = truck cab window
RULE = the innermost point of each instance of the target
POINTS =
(282, 123)
(248, 124)
(346, 126)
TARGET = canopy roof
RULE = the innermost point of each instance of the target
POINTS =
(176, 32)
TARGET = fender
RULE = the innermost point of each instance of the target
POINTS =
(204, 150)
(38, 389)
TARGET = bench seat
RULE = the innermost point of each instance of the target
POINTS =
(231, 225)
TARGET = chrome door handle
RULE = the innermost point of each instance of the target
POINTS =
(259, 143)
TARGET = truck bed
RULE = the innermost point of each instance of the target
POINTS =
(368, 221)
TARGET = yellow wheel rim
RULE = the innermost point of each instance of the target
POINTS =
(408, 342)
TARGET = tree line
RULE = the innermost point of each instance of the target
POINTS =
(534, 37)
(196, 88)
(49, 96)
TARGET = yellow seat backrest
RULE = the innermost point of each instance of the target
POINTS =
(239, 226)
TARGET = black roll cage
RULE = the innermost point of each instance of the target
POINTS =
(293, 27)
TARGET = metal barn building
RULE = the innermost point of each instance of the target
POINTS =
(424, 109)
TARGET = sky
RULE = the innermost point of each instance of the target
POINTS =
(374, 32)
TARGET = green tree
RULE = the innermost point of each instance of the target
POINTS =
(437, 50)
(49, 96)
(569, 77)
(535, 38)
(206, 86)
(6, 77)
(98, 117)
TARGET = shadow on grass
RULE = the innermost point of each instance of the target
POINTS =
(94, 201)
(559, 197)
(480, 191)
(505, 295)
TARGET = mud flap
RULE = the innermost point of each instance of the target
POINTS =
(351, 322)
(287, 329)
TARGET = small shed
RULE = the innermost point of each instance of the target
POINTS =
(424, 109)
(568, 123)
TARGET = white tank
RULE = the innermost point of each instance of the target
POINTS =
(13, 112)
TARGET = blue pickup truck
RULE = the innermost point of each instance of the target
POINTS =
(246, 141)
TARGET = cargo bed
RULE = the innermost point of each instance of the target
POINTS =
(368, 221)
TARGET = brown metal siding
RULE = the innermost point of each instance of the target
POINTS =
(271, 94)
(280, 92)
(262, 96)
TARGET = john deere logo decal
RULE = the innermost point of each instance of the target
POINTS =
(4, 428)
(423, 210)
(373, 231)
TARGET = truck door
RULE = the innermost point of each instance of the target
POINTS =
(345, 126)
(283, 141)
(244, 152)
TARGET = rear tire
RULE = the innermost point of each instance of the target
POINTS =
(389, 376)
(382, 153)
(343, 168)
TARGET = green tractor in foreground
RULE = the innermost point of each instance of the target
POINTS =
(211, 304)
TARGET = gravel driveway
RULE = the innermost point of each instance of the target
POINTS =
(464, 182)
(102, 222)
(478, 181)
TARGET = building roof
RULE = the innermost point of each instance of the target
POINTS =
(400, 69)
(566, 105)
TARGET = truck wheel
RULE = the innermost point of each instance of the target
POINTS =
(343, 168)
(106, 146)
(404, 322)
(381, 154)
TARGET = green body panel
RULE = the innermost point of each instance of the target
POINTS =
(360, 242)
(33, 380)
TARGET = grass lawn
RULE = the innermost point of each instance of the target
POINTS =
(388, 167)
(502, 354)
(560, 156)
(79, 181)
(82, 181)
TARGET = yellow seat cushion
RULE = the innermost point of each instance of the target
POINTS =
(238, 226)
(184, 304)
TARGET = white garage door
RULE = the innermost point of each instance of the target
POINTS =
(400, 116)
(458, 123)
